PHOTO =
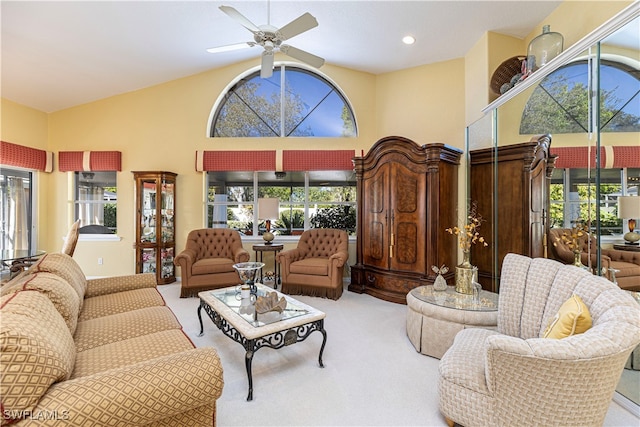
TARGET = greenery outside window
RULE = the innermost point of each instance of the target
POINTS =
(293, 102)
(95, 202)
(573, 197)
(313, 199)
(559, 104)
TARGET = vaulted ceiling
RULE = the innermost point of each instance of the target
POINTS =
(57, 54)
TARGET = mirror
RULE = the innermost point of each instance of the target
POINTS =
(597, 141)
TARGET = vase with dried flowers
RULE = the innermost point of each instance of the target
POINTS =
(572, 240)
(468, 234)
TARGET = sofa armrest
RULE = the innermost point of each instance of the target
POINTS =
(241, 255)
(286, 258)
(185, 259)
(111, 285)
(339, 258)
(139, 394)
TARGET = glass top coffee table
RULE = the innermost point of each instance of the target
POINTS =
(237, 319)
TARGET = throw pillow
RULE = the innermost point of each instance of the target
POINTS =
(572, 318)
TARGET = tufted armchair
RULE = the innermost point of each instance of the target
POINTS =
(208, 258)
(626, 262)
(516, 377)
(316, 266)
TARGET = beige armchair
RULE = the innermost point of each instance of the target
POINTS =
(316, 266)
(515, 377)
(208, 258)
(626, 263)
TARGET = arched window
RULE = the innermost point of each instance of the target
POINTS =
(559, 103)
(293, 102)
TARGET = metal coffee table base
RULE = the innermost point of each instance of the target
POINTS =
(275, 340)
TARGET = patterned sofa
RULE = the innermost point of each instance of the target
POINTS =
(99, 352)
(516, 377)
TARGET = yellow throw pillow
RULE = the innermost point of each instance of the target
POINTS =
(572, 318)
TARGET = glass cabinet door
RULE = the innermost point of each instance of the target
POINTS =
(155, 229)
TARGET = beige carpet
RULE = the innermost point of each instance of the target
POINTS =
(372, 377)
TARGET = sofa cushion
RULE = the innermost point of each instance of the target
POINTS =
(64, 266)
(312, 266)
(120, 302)
(212, 266)
(130, 351)
(36, 349)
(60, 293)
(572, 318)
(117, 327)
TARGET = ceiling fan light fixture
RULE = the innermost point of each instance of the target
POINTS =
(408, 40)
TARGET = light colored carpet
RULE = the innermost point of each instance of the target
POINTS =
(372, 376)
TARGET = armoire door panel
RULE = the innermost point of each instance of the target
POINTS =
(407, 187)
(406, 252)
(376, 193)
(376, 252)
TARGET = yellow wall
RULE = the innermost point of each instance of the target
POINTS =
(26, 126)
(425, 104)
(161, 127)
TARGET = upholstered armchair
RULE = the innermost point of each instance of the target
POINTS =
(626, 263)
(516, 377)
(316, 266)
(208, 258)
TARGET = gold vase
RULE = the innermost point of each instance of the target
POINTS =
(465, 275)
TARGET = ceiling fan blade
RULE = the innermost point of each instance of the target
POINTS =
(230, 47)
(306, 57)
(266, 69)
(299, 25)
(240, 18)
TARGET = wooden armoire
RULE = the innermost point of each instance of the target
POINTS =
(407, 197)
(510, 185)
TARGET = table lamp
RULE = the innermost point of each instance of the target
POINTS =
(629, 207)
(268, 209)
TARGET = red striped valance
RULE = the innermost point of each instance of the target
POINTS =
(576, 157)
(25, 157)
(626, 157)
(84, 161)
(235, 160)
(276, 160)
(310, 160)
(610, 157)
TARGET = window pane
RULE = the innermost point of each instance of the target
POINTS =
(559, 103)
(310, 105)
(16, 209)
(252, 109)
(96, 200)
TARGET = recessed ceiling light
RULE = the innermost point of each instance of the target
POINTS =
(408, 40)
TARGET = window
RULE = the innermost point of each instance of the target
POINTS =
(95, 202)
(559, 102)
(293, 102)
(17, 209)
(311, 199)
(573, 195)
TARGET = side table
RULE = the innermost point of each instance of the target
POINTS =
(259, 250)
(435, 317)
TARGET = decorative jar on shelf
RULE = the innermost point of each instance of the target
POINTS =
(543, 49)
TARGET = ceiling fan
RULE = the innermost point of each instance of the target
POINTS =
(271, 38)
